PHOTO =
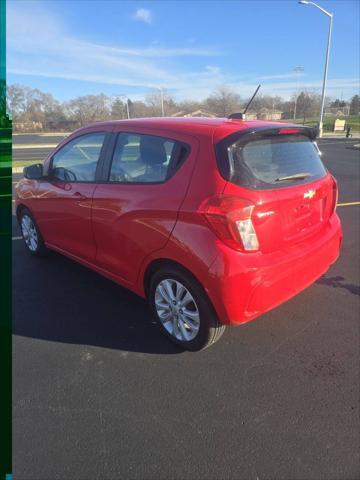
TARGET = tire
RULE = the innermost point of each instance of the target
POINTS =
(31, 234)
(191, 323)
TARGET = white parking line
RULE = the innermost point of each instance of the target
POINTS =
(348, 204)
(31, 145)
(336, 143)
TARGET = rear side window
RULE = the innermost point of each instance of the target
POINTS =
(277, 160)
(141, 158)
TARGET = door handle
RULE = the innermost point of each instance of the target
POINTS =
(79, 196)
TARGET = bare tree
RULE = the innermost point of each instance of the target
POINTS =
(88, 108)
(2, 97)
(153, 102)
(223, 101)
(140, 110)
(308, 104)
(118, 109)
(15, 100)
(188, 106)
(33, 109)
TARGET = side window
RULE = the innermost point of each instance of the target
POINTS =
(77, 160)
(141, 158)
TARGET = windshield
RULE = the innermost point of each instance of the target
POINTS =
(275, 160)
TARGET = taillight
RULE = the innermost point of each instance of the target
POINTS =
(335, 195)
(230, 219)
(248, 234)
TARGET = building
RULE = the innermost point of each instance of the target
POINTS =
(337, 111)
(269, 114)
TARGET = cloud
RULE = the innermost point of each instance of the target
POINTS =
(283, 76)
(143, 15)
(287, 89)
(39, 44)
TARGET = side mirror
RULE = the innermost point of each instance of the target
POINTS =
(34, 172)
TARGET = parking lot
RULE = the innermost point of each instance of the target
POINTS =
(98, 393)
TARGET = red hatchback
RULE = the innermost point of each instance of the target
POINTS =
(215, 221)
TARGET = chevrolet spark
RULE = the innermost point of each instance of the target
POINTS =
(214, 221)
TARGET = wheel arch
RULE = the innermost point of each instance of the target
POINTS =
(22, 207)
(158, 263)
(19, 209)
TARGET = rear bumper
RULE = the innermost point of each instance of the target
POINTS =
(243, 286)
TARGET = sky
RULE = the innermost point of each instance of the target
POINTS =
(78, 47)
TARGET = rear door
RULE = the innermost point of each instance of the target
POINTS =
(282, 174)
(136, 206)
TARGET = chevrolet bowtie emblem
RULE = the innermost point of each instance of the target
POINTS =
(310, 194)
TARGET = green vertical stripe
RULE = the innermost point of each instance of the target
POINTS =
(5, 264)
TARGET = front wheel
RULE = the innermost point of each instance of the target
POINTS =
(183, 310)
(31, 234)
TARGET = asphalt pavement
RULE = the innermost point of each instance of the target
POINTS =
(99, 394)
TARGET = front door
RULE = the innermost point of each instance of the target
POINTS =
(63, 209)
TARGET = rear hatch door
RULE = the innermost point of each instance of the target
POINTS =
(283, 176)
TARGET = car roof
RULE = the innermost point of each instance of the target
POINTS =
(217, 128)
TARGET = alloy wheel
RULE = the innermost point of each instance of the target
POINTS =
(29, 233)
(177, 310)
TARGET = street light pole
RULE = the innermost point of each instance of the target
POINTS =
(325, 77)
(161, 90)
(297, 70)
(162, 101)
(127, 107)
(330, 15)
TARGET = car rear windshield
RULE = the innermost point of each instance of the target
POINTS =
(277, 160)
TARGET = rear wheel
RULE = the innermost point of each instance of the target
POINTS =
(31, 234)
(183, 310)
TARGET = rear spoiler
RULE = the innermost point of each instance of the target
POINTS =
(286, 128)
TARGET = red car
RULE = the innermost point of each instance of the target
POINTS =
(214, 221)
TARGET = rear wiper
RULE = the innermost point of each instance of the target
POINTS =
(297, 176)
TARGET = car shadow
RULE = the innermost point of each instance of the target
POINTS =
(58, 300)
(338, 282)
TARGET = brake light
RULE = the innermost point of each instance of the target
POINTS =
(230, 219)
(288, 131)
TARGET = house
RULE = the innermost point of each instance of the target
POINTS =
(270, 114)
(251, 115)
(337, 111)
